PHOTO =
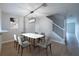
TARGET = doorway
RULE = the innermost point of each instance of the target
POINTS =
(72, 42)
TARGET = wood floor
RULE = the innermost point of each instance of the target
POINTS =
(72, 49)
(57, 50)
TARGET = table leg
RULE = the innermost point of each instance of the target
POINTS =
(34, 43)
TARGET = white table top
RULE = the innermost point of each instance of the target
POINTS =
(33, 35)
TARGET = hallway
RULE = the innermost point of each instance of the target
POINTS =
(72, 44)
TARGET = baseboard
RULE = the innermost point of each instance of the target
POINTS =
(58, 42)
(7, 41)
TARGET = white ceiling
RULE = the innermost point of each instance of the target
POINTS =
(52, 8)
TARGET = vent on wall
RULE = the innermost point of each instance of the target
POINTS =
(32, 20)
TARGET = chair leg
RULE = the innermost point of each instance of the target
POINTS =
(39, 51)
(50, 49)
(29, 39)
(46, 52)
(34, 43)
(29, 47)
(14, 44)
(18, 48)
(38, 40)
(21, 50)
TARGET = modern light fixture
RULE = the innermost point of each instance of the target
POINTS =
(31, 12)
(33, 19)
(42, 5)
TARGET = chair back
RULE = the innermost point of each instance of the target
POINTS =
(23, 38)
(47, 39)
(43, 34)
(36, 33)
(19, 40)
(15, 37)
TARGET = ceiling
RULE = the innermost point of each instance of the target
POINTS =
(22, 9)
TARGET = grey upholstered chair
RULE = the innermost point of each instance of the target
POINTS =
(45, 44)
(23, 44)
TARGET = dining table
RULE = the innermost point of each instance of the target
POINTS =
(33, 36)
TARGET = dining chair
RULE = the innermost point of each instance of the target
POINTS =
(42, 39)
(22, 45)
(15, 41)
(36, 33)
(23, 38)
(45, 44)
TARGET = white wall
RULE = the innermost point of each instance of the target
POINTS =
(30, 27)
(6, 25)
(77, 28)
(20, 22)
(0, 19)
(0, 29)
(43, 24)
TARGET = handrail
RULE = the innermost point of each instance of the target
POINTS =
(58, 26)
